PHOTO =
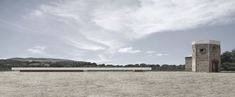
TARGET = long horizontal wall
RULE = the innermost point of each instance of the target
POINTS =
(80, 69)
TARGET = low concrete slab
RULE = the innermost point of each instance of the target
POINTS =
(79, 69)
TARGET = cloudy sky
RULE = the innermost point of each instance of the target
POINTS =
(113, 31)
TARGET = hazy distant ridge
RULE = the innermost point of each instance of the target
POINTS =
(38, 59)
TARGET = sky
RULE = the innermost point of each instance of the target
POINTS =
(113, 31)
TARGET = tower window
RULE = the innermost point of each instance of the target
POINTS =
(202, 50)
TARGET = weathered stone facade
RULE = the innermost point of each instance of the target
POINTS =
(188, 63)
(205, 56)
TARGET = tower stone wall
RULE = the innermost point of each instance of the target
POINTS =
(188, 63)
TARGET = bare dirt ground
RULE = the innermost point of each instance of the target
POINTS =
(116, 84)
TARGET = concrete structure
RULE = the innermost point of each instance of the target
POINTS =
(188, 63)
(206, 56)
(79, 69)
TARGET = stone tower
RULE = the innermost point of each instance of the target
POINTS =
(206, 56)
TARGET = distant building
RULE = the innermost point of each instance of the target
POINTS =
(205, 56)
(188, 63)
(79, 69)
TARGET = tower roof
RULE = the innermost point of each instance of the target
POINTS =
(206, 42)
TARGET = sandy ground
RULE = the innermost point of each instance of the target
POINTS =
(116, 84)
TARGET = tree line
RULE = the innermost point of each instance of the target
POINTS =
(228, 61)
(7, 64)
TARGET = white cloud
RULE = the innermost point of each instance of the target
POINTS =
(156, 15)
(154, 53)
(37, 49)
(128, 50)
(101, 58)
(150, 52)
(85, 45)
(37, 13)
(161, 54)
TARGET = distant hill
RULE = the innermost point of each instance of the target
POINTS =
(6, 64)
(39, 59)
